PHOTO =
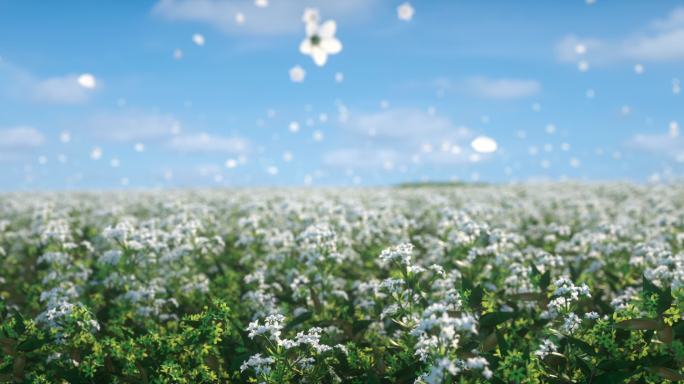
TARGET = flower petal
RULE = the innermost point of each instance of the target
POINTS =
(311, 29)
(327, 29)
(332, 46)
(320, 56)
(305, 47)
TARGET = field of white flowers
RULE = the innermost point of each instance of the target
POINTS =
(545, 283)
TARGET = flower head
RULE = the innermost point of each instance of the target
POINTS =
(320, 41)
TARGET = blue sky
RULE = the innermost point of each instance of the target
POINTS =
(413, 93)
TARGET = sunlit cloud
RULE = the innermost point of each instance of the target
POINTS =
(206, 143)
(504, 88)
(661, 41)
(132, 126)
(20, 138)
(661, 144)
(18, 83)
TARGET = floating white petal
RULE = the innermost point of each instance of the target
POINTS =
(198, 39)
(405, 12)
(87, 81)
(297, 74)
(484, 144)
(96, 153)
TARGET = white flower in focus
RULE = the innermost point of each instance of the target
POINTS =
(297, 74)
(198, 39)
(484, 144)
(87, 81)
(320, 42)
(405, 12)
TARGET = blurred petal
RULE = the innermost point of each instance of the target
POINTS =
(332, 46)
(305, 47)
(319, 57)
(311, 29)
(327, 29)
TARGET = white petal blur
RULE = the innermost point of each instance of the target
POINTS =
(405, 12)
(87, 81)
(297, 74)
(484, 144)
(198, 39)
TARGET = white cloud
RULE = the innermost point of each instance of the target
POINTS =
(280, 17)
(360, 158)
(133, 126)
(204, 142)
(21, 137)
(402, 125)
(660, 144)
(60, 90)
(662, 40)
(504, 88)
(21, 84)
(402, 137)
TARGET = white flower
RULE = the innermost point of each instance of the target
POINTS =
(545, 348)
(320, 42)
(400, 253)
(405, 12)
(297, 74)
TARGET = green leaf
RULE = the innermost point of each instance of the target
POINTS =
(19, 327)
(664, 295)
(31, 344)
(492, 319)
(614, 377)
(299, 319)
(545, 280)
(666, 373)
(582, 345)
(641, 324)
(361, 325)
(475, 299)
(584, 367)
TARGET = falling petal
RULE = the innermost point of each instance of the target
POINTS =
(87, 81)
(331, 46)
(327, 29)
(319, 56)
(484, 144)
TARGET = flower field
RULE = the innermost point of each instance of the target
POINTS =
(535, 283)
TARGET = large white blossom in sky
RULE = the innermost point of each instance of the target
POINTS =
(320, 39)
